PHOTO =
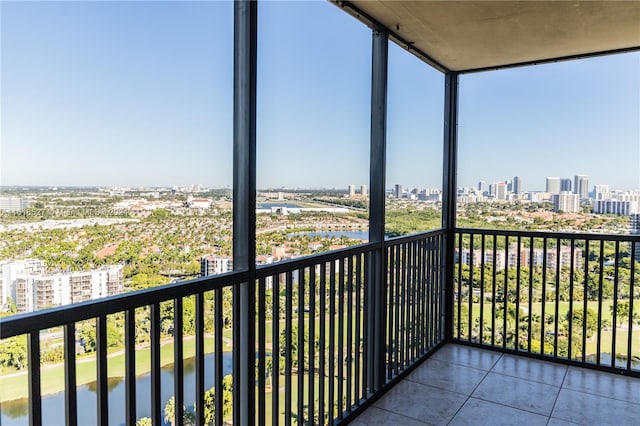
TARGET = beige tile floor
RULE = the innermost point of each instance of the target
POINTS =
(461, 385)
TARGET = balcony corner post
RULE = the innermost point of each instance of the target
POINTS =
(449, 199)
(244, 208)
(376, 319)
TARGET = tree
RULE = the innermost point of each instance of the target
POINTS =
(13, 353)
(577, 317)
(145, 421)
(209, 401)
(188, 418)
(622, 312)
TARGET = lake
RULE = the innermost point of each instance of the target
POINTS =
(16, 412)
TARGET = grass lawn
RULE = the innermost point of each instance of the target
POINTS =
(563, 308)
(606, 338)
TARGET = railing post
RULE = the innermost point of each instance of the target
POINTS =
(244, 209)
(377, 314)
(449, 188)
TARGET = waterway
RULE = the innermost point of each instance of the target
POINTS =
(271, 205)
(16, 412)
(355, 235)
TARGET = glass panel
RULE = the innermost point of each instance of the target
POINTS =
(116, 169)
(313, 130)
(414, 144)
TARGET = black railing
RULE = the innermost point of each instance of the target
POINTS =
(573, 298)
(415, 296)
(315, 351)
(144, 317)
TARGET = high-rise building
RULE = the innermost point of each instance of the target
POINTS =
(364, 191)
(501, 190)
(213, 265)
(565, 185)
(398, 192)
(482, 186)
(600, 192)
(553, 185)
(517, 185)
(581, 186)
(352, 191)
(566, 202)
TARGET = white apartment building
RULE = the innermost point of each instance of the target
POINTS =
(9, 272)
(510, 257)
(13, 204)
(601, 192)
(31, 288)
(214, 265)
(619, 207)
(566, 202)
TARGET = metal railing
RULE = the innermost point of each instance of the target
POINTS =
(315, 351)
(568, 297)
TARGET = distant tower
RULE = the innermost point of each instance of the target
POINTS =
(566, 202)
(517, 185)
(364, 191)
(398, 190)
(565, 185)
(482, 186)
(553, 185)
(601, 192)
(352, 191)
(581, 186)
(501, 190)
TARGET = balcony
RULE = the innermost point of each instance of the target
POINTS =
(332, 376)
(452, 317)
(463, 385)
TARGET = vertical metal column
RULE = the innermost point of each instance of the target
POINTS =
(376, 315)
(449, 187)
(244, 208)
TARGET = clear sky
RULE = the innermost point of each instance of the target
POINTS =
(140, 93)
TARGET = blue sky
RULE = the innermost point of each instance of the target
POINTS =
(140, 93)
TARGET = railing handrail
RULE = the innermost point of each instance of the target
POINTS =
(541, 326)
(54, 317)
(58, 316)
(413, 237)
(270, 269)
(303, 262)
(550, 234)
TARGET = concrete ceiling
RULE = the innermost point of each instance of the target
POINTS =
(466, 35)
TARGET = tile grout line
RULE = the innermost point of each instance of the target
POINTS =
(566, 372)
(474, 389)
(401, 415)
(603, 396)
(517, 376)
(509, 406)
(584, 391)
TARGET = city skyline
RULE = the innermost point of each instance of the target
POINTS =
(140, 94)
